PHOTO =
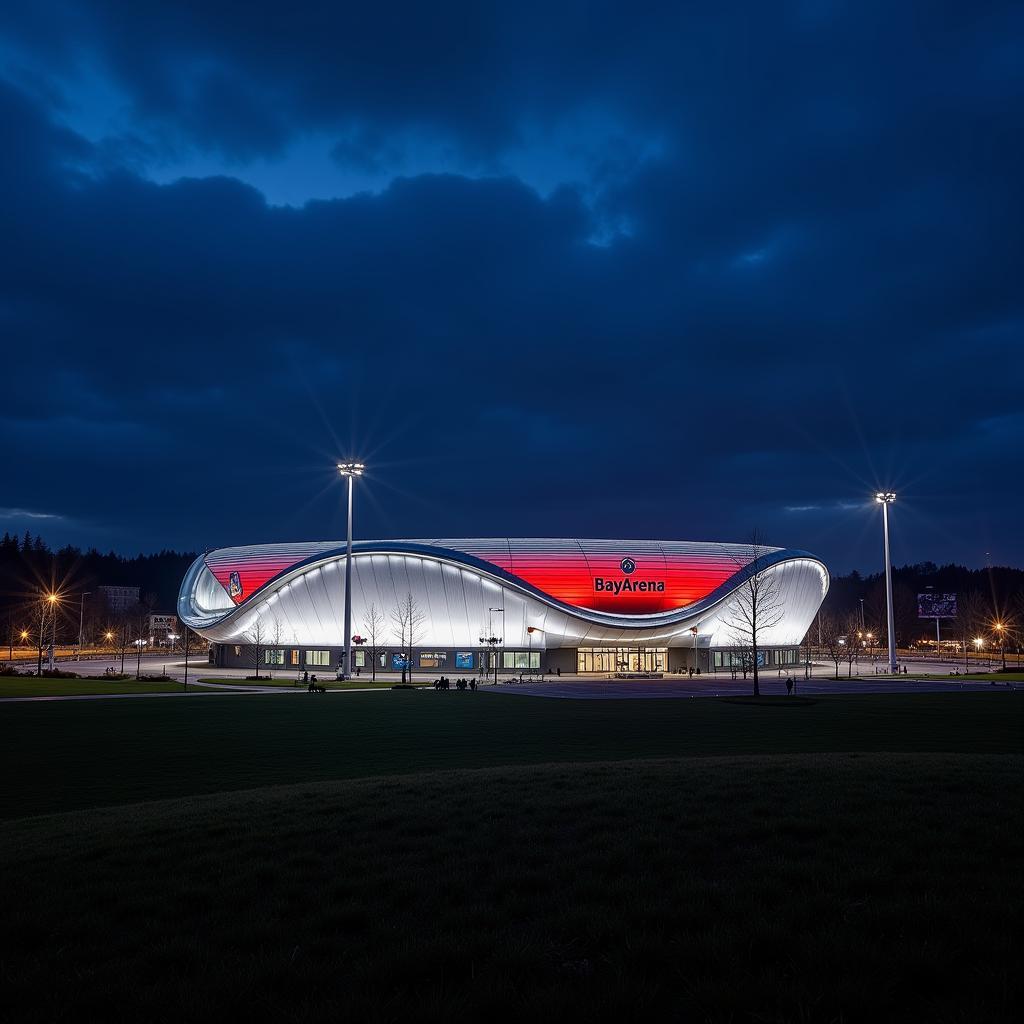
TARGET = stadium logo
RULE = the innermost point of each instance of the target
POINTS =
(234, 586)
(628, 566)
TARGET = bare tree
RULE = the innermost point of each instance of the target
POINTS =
(373, 625)
(756, 605)
(407, 621)
(853, 643)
(831, 636)
(274, 639)
(137, 621)
(257, 635)
(973, 614)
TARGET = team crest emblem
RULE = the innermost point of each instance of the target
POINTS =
(628, 566)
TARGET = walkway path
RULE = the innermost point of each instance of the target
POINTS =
(615, 689)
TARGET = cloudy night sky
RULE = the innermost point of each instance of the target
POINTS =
(636, 270)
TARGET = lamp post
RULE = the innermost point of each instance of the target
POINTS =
(81, 617)
(885, 499)
(1002, 643)
(862, 613)
(501, 639)
(693, 630)
(350, 470)
(51, 603)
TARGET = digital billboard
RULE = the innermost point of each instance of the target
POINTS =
(936, 606)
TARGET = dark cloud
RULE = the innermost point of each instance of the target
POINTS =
(685, 273)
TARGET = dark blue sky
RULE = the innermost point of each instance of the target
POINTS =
(600, 270)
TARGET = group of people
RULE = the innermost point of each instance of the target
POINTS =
(312, 684)
(444, 683)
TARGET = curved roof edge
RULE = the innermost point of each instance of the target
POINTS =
(773, 556)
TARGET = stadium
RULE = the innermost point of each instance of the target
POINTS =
(518, 605)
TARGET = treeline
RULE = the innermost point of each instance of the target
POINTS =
(28, 566)
(986, 597)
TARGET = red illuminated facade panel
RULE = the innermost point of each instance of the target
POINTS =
(626, 577)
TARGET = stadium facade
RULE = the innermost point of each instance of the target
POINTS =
(518, 605)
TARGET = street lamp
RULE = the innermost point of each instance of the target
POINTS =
(501, 639)
(693, 630)
(350, 470)
(52, 600)
(81, 616)
(885, 499)
(1002, 642)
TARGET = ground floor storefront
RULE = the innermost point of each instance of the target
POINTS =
(623, 660)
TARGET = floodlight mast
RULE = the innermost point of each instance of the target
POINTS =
(350, 470)
(885, 499)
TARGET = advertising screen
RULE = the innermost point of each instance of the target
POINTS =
(463, 659)
(398, 662)
(936, 606)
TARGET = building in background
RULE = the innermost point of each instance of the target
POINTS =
(119, 599)
(160, 625)
(518, 604)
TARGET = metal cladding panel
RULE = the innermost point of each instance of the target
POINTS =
(663, 576)
(461, 604)
(242, 571)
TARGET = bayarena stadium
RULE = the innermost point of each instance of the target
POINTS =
(516, 605)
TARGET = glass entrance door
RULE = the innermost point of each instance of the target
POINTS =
(621, 659)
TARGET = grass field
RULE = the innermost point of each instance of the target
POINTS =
(36, 686)
(804, 888)
(450, 856)
(120, 751)
(289, 683)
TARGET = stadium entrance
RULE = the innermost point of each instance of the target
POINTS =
(621, 659)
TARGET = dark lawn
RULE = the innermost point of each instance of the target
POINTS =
(788, 888)
(40, 686)
(61, 756)
(289, 682)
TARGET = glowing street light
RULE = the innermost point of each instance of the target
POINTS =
(999, 628)
(350, 470)
(885, 499)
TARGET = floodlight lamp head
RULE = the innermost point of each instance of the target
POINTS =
(351, 468)
(885, 497)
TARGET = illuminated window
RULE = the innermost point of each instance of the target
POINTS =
(273, 657)
(621, 659)
(433, 659)
(238, 651)
(318, 658)
(360, 658)
(294, 656)
(520, 659)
